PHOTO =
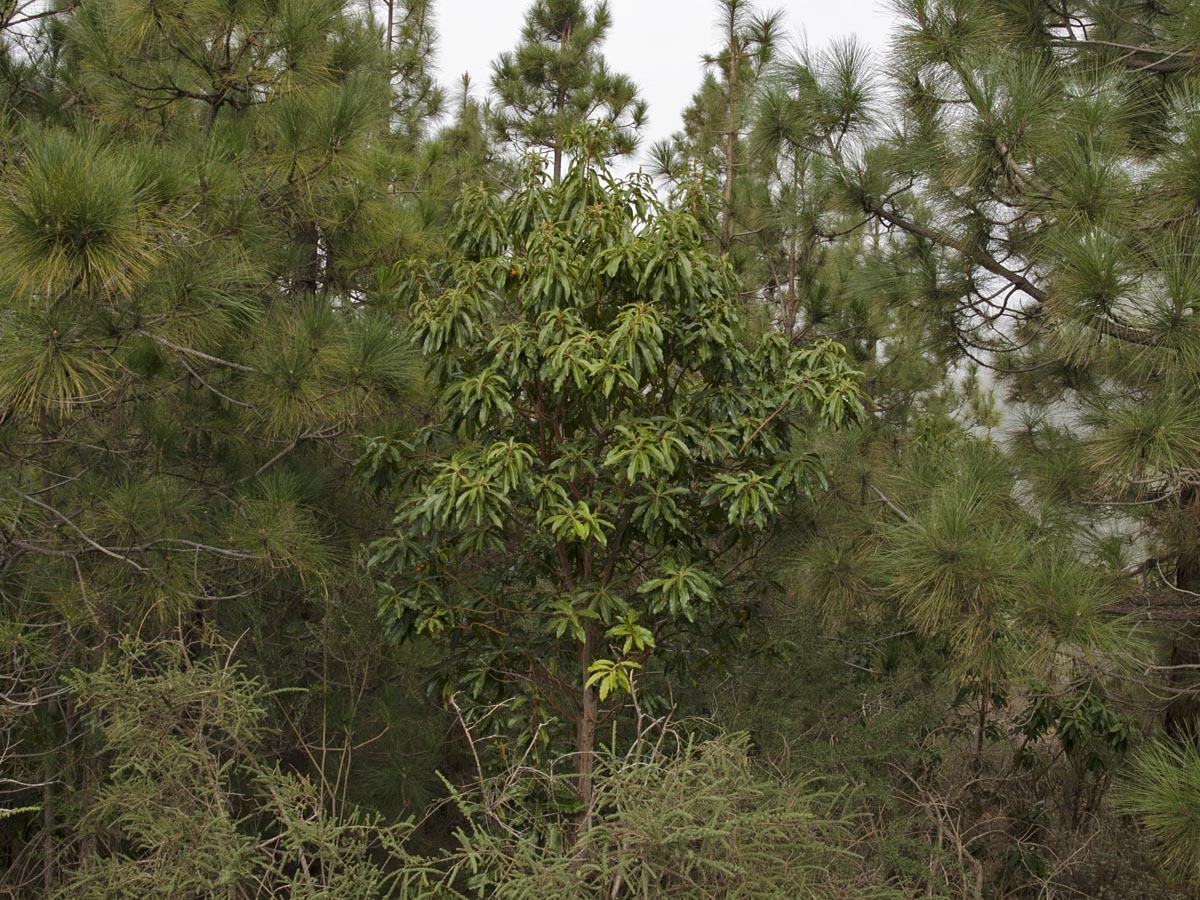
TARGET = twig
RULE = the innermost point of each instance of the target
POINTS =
(908, 520)
(159, 339)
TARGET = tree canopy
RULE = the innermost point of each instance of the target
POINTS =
(557, 80)
(625, 445)
(397, 502)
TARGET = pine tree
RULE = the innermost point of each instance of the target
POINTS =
(1080, 295)
(1034, 205)
(717, 123)
(557, 80)
(196, 249)
(410, 39)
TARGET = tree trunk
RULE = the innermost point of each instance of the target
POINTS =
(560, 103)
(789, 312)
(730, 138)
(49, 873)
(981, 728)
(307, 277)
(585, 732)
(1183, 711)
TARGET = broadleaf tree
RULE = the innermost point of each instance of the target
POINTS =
(615, 444)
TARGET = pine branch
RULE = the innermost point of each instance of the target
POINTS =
(94, 544)
(159, 339)
(1105, 325)
(1141, 58)
(887, 501)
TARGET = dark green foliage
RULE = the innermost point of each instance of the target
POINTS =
(411, 39)
(625, 446)
(717, 123)
(1092, 735)
(557, 81)
(610, 475)
(1031, 213)
(191, 332)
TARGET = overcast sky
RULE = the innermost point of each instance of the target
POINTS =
(658, 43)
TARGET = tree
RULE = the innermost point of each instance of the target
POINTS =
(557, 80)
(718, 120)
(803, 248)
(625, 448)
(463, 152)
(1042, 179)
(1033, 206)
(1084, 282)
(192, 329)
(410, 39)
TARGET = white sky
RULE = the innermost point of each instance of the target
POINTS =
(659, 43)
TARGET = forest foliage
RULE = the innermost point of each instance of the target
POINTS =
(397, 501)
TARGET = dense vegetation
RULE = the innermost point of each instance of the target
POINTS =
(396, 502)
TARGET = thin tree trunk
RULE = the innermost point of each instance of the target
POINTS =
(560, 103)
(789, 321)
(981, 728)
(308, 276)
(585, 733)
(730, 137)
(48, 855)
(1183, 712)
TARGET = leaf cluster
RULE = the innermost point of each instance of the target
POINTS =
(624, 444)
